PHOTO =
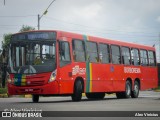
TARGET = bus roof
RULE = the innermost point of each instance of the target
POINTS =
(94, 39)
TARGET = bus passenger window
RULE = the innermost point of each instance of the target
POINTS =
(92, 52)
(135, 57)
(104, 54)
(151, 58)
(64, 53)
(78, 50)
(126, 55)
(116, 57)
(144, 58)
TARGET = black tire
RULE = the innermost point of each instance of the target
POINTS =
(126, 93)
(89, 95)
(135, 92)
(128, 89)
(95, 95)
(35, 98)
(78, 89)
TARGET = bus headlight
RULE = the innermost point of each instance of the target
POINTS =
(53, 76)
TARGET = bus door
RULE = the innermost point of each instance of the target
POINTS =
(64, 66)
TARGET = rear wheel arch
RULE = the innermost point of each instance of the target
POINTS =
(130, 80)
(138, 80)
(136, 88)
(128, 89)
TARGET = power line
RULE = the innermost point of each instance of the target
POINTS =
(17, 16)
(106, 31)
(66, 22)
(9, 25)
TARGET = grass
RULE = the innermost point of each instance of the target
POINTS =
(3, 90)
(3, 93)
(158, 88)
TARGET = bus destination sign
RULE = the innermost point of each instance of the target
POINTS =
(34, 36)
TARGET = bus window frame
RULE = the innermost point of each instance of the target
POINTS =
(136, 57)
(119, 52)
(109, 54)
(146, 65)
(87, 57)
(73, 49)
(130, 63)
(69, 62)
(155, 61)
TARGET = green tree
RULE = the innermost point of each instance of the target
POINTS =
(6, 40)
(7, 37)
(26, 28)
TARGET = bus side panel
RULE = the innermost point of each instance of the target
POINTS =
(68, 74)
(118, 77)
(66, 81)
(149, 78)
(101, 78)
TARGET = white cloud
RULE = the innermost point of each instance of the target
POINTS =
(158, 19)
(88, 12)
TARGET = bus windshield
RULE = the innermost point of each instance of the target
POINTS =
(27, 57)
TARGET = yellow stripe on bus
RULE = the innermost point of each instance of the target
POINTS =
(90, 67)
(23, 80)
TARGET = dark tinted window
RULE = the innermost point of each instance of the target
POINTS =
(144, 59)
(126, 55)
(92, 54)
(104, 53)
(116, 57)
(151, 58)
(135, 57)
(78, 50)
(64, 53)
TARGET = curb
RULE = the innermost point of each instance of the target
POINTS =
(84, 95)
(28, 96)
(3, 96)
(157, 90)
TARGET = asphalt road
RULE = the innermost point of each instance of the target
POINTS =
(147, 101)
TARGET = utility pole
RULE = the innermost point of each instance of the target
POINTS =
(45, 12)
(38, 21)
(4, 2)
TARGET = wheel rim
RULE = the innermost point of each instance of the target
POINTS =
(136, 89)
(128, 90)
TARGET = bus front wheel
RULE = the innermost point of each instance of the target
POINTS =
(35, 98)
(78, 89)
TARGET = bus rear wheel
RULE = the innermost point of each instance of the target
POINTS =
(35, 98)
(78, 89)
(126, 93)
(95, 95)
(135, 92)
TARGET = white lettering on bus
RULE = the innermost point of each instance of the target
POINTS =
(78, 70)
(132, 70)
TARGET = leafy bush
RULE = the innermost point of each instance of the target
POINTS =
(3, 90)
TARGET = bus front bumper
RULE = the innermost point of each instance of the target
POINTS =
(47, 89)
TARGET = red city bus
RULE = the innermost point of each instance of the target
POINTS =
(53, 63)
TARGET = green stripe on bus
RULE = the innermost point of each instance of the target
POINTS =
(87, 69)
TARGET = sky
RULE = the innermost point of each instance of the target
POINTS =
(136, 21)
